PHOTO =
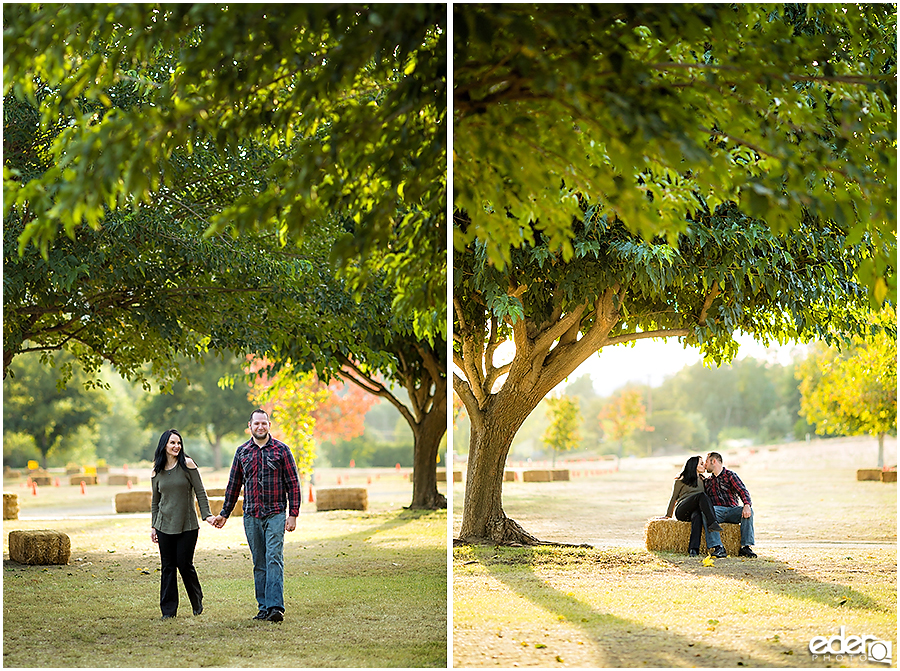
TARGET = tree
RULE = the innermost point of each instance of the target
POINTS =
(853, 391)
(727, 272)
(663, 111)
(202, 404)
(146, 288)
(34, 405)
(624, 416)
(341, 416)
(565, 419)
(349, 102)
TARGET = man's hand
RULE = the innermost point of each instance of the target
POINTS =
(745, 513)
(219, 521)
(290, 523)
(153, 536)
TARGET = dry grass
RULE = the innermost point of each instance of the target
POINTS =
(549, 607)
(361, 589)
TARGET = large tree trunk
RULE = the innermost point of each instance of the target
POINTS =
(490, 438)
(427, 440)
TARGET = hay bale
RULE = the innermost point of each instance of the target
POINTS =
(216, 503)
(86, 479)
(342, 498)
(441, 475)
(510, 476)
(10, 506)
(11, 474)
(42, 480)
(457, 476)
(219, 492)
(133, 502)
(118, 479)
(868, 474)
(559, 474)
(889, 476)
(536, 476)
(671, 535)
(39, 547)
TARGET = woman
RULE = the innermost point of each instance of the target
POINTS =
(175, 481)
(689, 498)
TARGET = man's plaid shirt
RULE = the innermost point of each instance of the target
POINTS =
(269, 477)
(725, 489)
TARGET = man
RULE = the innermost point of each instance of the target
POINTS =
(725, 489)
(266, 469)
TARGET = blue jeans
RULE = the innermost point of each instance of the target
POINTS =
(265, 536)
(733, 516)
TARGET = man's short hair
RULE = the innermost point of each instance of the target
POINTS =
(716, 456)
(258, 411)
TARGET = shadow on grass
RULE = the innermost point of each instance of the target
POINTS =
(777, 577)
(657, 646)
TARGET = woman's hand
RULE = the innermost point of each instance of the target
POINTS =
(153, 536)
(211, 520)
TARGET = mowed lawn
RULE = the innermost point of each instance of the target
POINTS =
(827, 559)
(362, 589)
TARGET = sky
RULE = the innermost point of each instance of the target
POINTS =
(651, 361)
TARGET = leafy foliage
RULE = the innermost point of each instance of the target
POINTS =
(33, 403)
(852, 391)
(624, 416)
(663, 112)
(347, 103)
(565, 418)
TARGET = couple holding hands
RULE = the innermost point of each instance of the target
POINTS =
(266, 470)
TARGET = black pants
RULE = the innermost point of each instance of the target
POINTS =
(689, 509)
(177, 554)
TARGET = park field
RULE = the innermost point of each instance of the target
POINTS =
(362, 589)
(827, 559)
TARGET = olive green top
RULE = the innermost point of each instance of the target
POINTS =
(682, 491)
(172, 506)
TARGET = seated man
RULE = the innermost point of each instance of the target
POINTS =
(725, 489)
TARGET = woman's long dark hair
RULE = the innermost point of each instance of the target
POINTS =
(160, 458)
(689, 474)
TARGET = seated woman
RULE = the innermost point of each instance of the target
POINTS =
(688, 498)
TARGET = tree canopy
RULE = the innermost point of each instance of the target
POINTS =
(348, 103)
(659, 112)
(727, 272)
(853, 391)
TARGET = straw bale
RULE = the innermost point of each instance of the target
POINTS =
(671, 535)
(134, 501)
(536, 476)
(86, 479)
(441, 475)
(218, 491)
(457, 476)
(10, 506)
(216, 503)
(39, 547)
(342, 498)
(118, 479)
(559, 474)
(889, 476)
(868, 474)
(510, 476)
(72, 470)
(42, 480)
(11, 473)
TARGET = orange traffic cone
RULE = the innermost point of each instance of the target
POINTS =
(33, 488)
(129, 484)
(56, 482)
(82, 487)
(311, 500)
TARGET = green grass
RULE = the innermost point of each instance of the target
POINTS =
(628, 607)
(361, 590)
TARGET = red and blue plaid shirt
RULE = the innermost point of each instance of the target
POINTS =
(725, 489)
(269, 477)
